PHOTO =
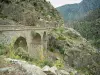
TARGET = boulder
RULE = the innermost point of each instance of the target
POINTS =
(30, 69)
(50, 70)
(6, 69)
(63, 72)
(54, 71)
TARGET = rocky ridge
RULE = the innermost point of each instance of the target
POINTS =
(28, 12)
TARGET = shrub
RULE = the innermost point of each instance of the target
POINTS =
(61, 38)
(52, 49)
(46, 62)
(22, 53)
(61, 49)
(59, 64)
(2, 49)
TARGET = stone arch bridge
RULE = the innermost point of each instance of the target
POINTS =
(32, 39)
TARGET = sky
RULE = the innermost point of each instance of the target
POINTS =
(57, 3)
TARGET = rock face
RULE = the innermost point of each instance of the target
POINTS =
(78, 53)
(23, 68)
(28, 68)
(50, 71)
(28, 12)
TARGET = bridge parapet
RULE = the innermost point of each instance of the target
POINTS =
(21, 28)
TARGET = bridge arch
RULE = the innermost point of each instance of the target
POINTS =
(36, 38)
(21, 42)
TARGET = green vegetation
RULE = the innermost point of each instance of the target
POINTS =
(61, 39)
(59, 64)
(9, 51)
(77, 51)
(85, 18)
(73, 12)
(55, 35)
(2, 51)
(21, 54)
(43, 63)
(89, 27)
(84, 70)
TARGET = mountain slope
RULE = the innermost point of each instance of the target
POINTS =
(89, 27)
(28, 12)
(85, 18)
(77, 51)
(76, 11)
